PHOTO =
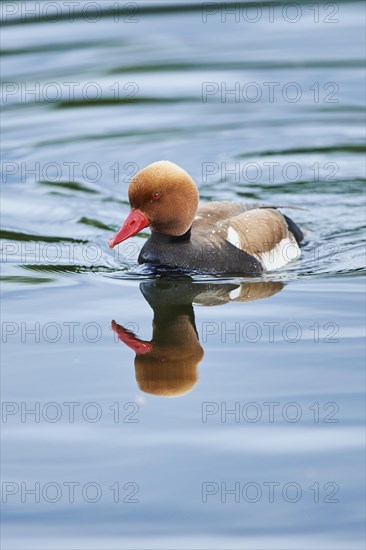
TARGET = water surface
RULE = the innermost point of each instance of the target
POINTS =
(266, 375)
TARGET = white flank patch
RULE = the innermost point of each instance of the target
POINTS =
(283, 253)
(233, 237)
(234, 294)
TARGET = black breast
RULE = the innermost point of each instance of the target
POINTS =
(198, 253)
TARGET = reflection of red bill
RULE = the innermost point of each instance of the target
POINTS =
(130, 339)
(135, 221)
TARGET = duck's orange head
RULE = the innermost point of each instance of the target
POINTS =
(162, 196)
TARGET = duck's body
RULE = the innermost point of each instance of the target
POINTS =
(218, 237)
(228, 238)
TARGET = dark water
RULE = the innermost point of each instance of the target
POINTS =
(264, 447)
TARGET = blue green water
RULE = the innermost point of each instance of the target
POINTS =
(264, 446)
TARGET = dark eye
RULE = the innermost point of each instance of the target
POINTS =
(155, 196)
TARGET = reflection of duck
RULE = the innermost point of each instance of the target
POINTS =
(167, 365)
(219, 237)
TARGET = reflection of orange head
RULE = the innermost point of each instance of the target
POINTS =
(170, 368)
(166, 366)
(164, 377)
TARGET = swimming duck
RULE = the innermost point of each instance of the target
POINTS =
(218, 237)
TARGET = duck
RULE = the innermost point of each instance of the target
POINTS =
(218, 237)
